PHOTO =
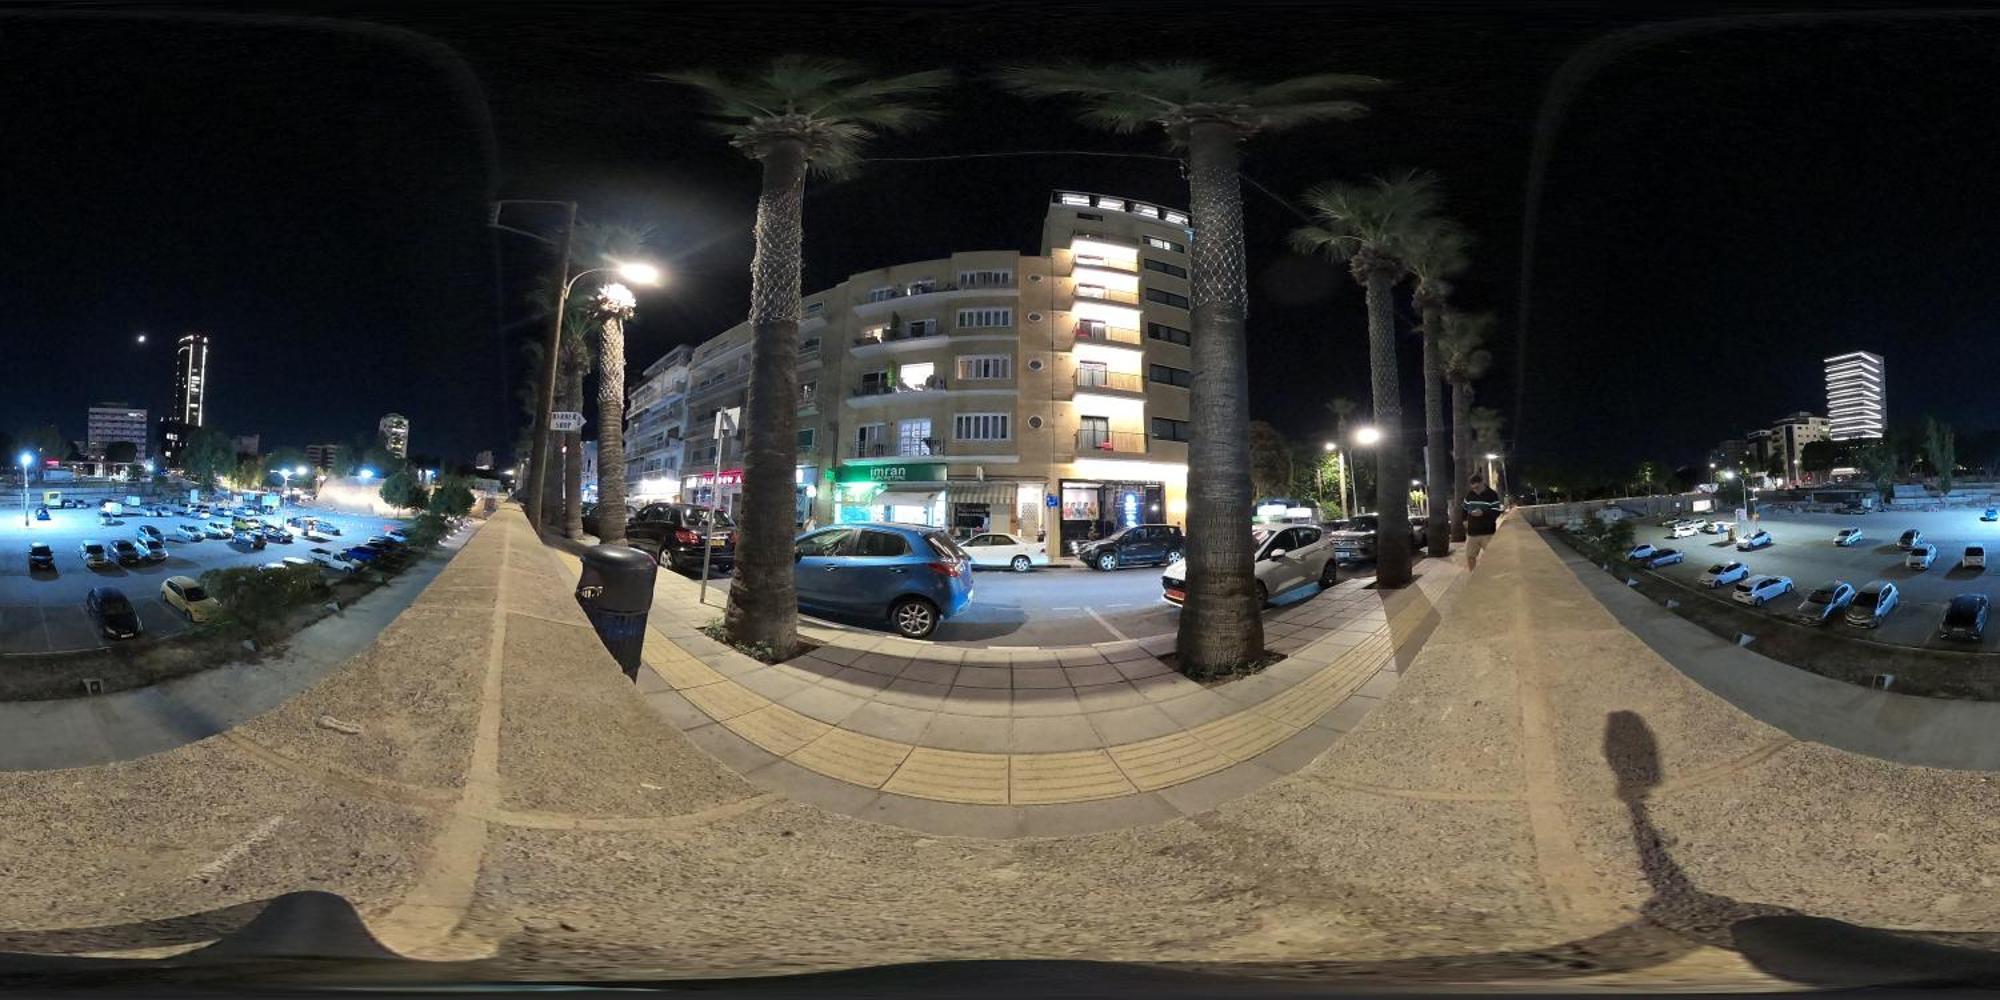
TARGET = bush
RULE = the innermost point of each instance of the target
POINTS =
(402, 489)
(426, 531)
(261, 599)
(452, 498)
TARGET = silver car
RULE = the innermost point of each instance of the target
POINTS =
(1825, 601)
(1872, 603)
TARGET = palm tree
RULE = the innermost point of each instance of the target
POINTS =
(1209, 116)
(1486, 439)
(1371, 228)
(799, 113)
(1463, 361)
(575, 363)
(611, 307)
(1436, 255)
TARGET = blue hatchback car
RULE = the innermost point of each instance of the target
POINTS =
(913, 575)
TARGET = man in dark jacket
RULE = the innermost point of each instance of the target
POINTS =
(1482, 515)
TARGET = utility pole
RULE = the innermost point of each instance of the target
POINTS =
(538, 463)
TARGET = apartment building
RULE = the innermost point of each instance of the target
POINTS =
(1044, 395)
(1789, 436)
(1856, 403)
(655, 426)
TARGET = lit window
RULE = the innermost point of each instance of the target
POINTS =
(1138, 209)
(918, 376)
(1177, 218)
(974, 318)
(1070, 198)
(985, 366)
(1113, 204)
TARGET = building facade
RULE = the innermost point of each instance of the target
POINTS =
(1789, 436)
(655, 427)
(109, 422)
(1857, 405)
(1042, 395)
(173, 441)
(322, 456)
(394, 430)
(191, 381)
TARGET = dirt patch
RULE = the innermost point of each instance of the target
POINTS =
(1926, 673)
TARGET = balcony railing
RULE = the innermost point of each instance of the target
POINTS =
(1103, 333)
(872, 339)
(1094, 442)
(933, 384)
(893, 449)
(1097, 378)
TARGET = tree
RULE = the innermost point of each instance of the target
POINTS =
(1820, 456)
(1210, 116)
(612, 306)
(121, 452)
(1372, 228)
(1940, 447)
(44, 440)
(1436, 254)
(451, 498)
(402, 489)
(1485, 422)
(262, 599)
(1877, 460)
(1270, 460)
(209, 457)
(798, 113)
(1463, 361)
(249, 473)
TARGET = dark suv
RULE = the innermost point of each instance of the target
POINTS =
(676, 534)
(1138, 545)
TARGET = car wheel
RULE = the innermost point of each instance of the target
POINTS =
(1329, 575)
(1021, 564)
(1263, 594)
(913, 617)
(1173, 556)
(1107, 561)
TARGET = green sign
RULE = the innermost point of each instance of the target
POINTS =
(894, 472)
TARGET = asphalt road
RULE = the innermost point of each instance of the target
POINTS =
(1804, 550)
(43, 612)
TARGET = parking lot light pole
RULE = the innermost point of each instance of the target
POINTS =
(25, 460)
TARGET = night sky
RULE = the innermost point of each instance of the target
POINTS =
(1722, 209)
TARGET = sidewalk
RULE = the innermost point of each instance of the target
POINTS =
(1028, 741)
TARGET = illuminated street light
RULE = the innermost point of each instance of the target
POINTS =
(1330, 446)
(1490, 456)
(640, 273)
(367, 473)
(142, 338)
(26, 460)
(1367, 437)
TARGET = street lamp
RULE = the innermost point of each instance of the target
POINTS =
(367, 474)
(1368, 437)
(26, 460)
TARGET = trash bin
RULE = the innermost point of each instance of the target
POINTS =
(616, 591)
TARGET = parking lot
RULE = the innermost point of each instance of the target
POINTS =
(43, 611)
(1803, 549)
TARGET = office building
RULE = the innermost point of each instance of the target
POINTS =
(109, 422)
(322, 456)
(1789, 436)
(986, 391)
(394, 429)
(173, 440)
(1856, 397)
(655, 426)
(191, 381)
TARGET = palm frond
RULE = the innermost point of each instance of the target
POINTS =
(1311, 88)
(1437, 250)
(857, 97)
(1293, 115)
(1333, 242)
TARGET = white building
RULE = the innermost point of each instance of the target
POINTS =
(655, 424)
(395, 431)
(589, 471)
(1856, 397)
(108, 422)
(191, 380)
(1790, 435)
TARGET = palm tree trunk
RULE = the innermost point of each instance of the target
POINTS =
(610, 433)
(1392, 489)
(1437, 488)
(1461, 455)
(573, 471)
(1221, 627)
(763, 600)
(551, 504)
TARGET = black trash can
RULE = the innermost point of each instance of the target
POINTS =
(616, 591)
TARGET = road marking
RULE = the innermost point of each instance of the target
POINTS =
(1108, 627)
(1126, 604)
(265, 831)
(1066, 609)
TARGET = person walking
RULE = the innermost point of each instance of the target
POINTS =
(1482, 515)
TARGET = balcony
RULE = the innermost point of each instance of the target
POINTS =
(1109, 263)
(1094, 442)
(1099, 293)
(1098, 380)
(893, 337)
(889, 449)
(1100, 333)
(936, 383)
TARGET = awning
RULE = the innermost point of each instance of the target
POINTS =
(997, 494)
(897, 498)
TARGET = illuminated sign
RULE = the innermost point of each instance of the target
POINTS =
(729, 477)
(892, 472)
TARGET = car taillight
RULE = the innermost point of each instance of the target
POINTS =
(947, 568)
(685, 537)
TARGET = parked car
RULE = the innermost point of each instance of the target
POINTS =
(93, 553)
(1717, 527)
(1965, 618)
(253, 539)
(40, 557)
(1872, 603)
(1640, 552)
(1826, 600)
(1287, 558)
(1759, 590)
(293, 561)
(1685, 529)
(1852, 508)
(675, 534)
(1848, 536)
(125, 552)
(316, 533)
(1990, 514)
(147, 531)
(997, 548)
(1356, 542)
(151, 548)
(1758, 539)
(915, 576)
(278, 535)
(361, 554)
(114, 615)
(1664, 557)
(187, 596)
(220, 529)
(192, 532)
(1921, 556)
(329, 559)
(1724, 573)
(1909, 538)
(1138, 545)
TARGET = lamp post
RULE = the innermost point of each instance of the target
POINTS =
(1331, 449)
(26, 459)
(1366, 437)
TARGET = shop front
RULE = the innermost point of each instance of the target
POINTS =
(906, 492)
(1093, 509)
(726, 491)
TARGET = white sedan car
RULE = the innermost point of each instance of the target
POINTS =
(1921, 556)
(1848, 536)
(1724, 574)
(999, 549)
(1755, 540)
(1685, 529)
(1757, 590)
(1287, 558)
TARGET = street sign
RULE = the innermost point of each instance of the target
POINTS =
(1050, 499)
(726, 421)
(565, 421)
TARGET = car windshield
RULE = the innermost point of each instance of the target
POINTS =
(115, 604)
(1962, 612)
(1867, 599)
(511, 300)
